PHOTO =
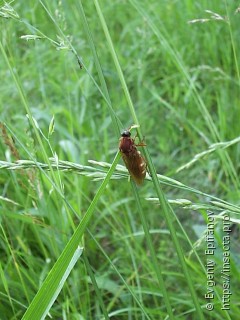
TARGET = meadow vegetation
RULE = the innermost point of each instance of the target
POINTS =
(78, 239)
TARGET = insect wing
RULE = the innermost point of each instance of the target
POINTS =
(136, 166)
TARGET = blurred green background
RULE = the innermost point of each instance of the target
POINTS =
(180, 62)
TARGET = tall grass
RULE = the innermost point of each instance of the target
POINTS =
(78, 241)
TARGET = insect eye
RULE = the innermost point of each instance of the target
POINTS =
(126, 133)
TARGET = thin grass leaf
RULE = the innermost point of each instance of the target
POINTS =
(44, 299)
(126, 285)
(94, 283)
(120, 172)
(165, 206)
(41, 302)
(165, 44)
(212, 148)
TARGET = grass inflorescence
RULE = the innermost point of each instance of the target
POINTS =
(79, 240)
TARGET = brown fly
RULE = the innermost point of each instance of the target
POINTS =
(132, 158)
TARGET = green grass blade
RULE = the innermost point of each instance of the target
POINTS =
(41, 305)
(126, 285)
(42, 301)
(165, 206)
(115, 120)
(94, 283)
(224, 156)
(157, 266)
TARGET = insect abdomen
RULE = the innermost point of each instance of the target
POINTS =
(136, 166)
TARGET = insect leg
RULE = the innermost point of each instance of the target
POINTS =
(141, 143)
